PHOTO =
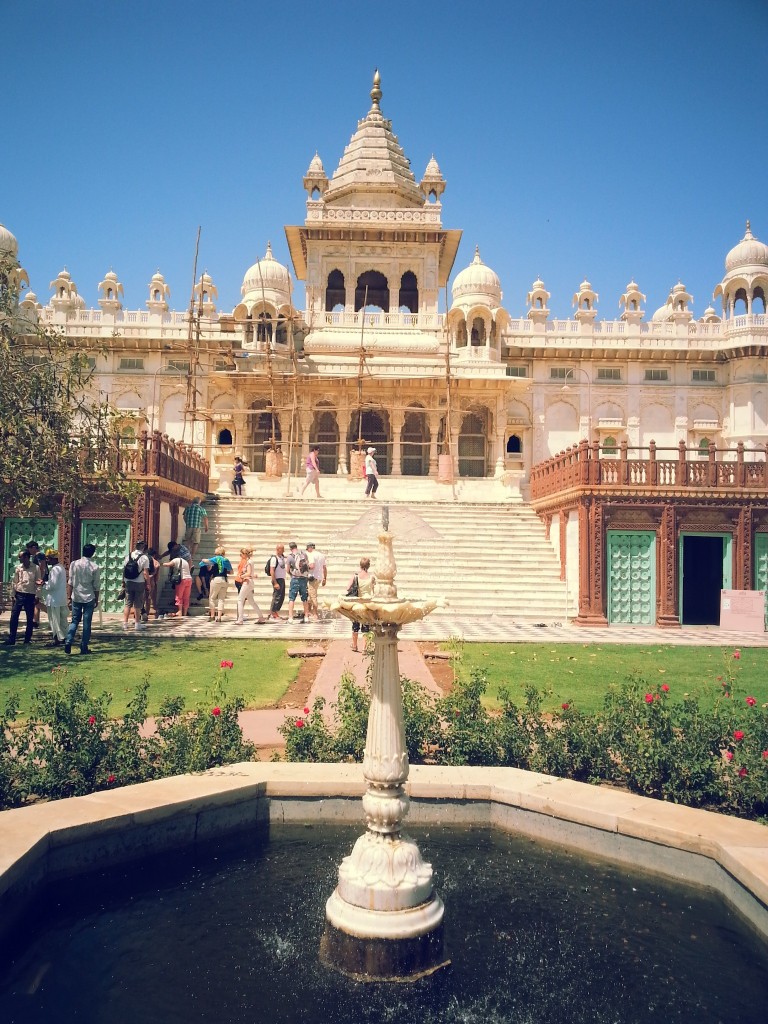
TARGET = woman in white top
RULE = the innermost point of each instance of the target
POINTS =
(182, 588)
(246, 573)
(365, 584)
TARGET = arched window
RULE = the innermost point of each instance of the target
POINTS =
(515, 447)
(335, 292)
(264, 328)
(224, 437)
(408, 298)
(610, 447)
(740, 302)
(704, 444)
(478, 331)
(461, 334)
(281, 331)
(372, 290)
(758, 295)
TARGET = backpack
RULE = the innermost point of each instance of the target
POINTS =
(302, 565)
(268, 566)
(174, 577)
(131, 569)
(354, 588)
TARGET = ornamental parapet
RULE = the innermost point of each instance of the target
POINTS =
(158, 456)
(377, 321)
(319, 213)
(649, 471)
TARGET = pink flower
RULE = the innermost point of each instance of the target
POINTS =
(457, 712)
(299, 723)
(665, 688)
(738, 735)
(736, 655)
(227, 664)
(742, 773)
(216, 712)
(111, 778)
(565, 706)
(751, 701)
(306, 711)
(649, 698)
(729, 755)
(765, 755)
(91, 719)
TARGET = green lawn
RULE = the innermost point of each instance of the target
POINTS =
(581, 673)
(261, 671)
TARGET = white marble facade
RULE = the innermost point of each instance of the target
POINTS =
(375, 260)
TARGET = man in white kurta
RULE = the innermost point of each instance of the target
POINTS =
(55, 594)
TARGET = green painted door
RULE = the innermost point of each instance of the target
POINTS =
(632, 577)
(111, 539)
(761, 566)
(19, 531)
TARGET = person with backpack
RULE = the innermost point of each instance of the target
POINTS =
(244, 583)
(238, 480)
(180, 578)
(361, 585)
(135, 580)
(275, 569)
(298, 567)
(221, 567)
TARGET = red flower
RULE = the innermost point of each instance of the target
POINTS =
(227, 664)
(665, 688)
(649, 698)
(457, 712)
(765, 755)
(299, 723)
(91, 719)
(216, 712)
(729, 755)
(736, 655)
(719, 678)
(751, 701)
(742, 772)
(111, 778)
(726, 695)
(738, 735)
(565, 706)
(306, 711)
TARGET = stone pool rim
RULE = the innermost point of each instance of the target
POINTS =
(47, 842)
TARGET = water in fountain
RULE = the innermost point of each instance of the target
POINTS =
(229, 934)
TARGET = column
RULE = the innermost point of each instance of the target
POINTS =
(666, 594)
(344, 420)
(591, 558)
(434, 430)
(397, 420)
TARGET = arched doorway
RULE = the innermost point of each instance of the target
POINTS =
(372, 290)
(473, 444)
(375, 432)
(325, 433)
(265, 424)
(414, 443)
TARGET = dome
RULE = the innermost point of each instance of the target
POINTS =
(8, 244)
(315, 166)
(433, 169)
(477, 279)
(266, 274)
(662, 313)
(749, 252)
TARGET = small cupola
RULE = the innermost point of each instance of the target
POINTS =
(433, 183)
(111, 290)
(159, 293)
(631, 304)
(585, 301)
(538, 299)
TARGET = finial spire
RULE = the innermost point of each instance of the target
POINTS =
(749, 228)
(376, 90)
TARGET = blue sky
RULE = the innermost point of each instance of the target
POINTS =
(595, 138)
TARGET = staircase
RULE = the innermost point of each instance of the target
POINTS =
(485, 559)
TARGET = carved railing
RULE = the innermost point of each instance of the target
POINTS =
(650, 469)
(157, 455)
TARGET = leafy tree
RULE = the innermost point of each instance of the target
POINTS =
(58, 439)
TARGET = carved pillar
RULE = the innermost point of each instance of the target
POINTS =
(305, 426)
(241, 440)
(434, 430)
(563, 544)
(174, 522)
(344, 420)
(591, 561)
(743, 564)
(668, 616)
(397, 420)
(69, 533)
(140, 520)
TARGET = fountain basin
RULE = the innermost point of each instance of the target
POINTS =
(56, 840)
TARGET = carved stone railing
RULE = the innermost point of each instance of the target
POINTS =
(157, 455)
(651, 470)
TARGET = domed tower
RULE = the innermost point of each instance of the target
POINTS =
(65, 299)
(11, 274)
(316, 180)
(266, 303)
(433, 182)
(585, 300)
(537, 300)
(111, 290)
(746, 278)
(205, 292)
(476, 316)
(631, 304)
(159, 293)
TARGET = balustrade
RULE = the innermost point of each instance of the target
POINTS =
(587, 465)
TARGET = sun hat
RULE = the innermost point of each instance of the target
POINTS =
(310, 545)
(371, 451)
(51, 553)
